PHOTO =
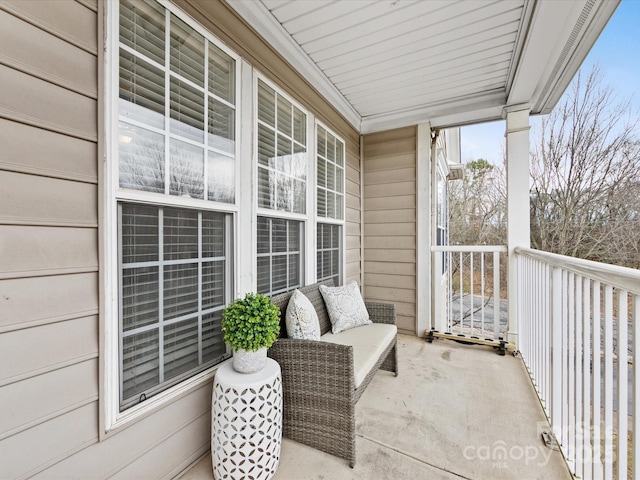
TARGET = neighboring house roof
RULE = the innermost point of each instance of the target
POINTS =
(392, 63)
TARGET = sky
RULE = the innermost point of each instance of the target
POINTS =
(617, 52)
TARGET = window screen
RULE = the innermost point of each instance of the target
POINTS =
(172, 290)
(279, 255)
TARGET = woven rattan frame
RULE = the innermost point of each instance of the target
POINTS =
(319, 394)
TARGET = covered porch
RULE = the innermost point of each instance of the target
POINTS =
(387, 77)
(455, 411)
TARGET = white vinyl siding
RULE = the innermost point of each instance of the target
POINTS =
(175, 198)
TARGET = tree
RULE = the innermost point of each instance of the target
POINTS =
(585, 176)
(585, 182)
(477, 205)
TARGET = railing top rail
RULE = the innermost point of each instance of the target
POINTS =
(469, 248)
(616, 276)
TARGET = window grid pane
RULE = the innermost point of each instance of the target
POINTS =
(199, 95)
(282, 153)
(330, 175)
(173, 283)
(329, 252)
(279, 255)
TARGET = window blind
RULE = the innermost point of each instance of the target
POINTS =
(279, 255)
(197, 147)
(330, 175)
(329, 252)
(282, 152)
(173, 290)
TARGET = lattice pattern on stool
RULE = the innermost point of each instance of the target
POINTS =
(247, 431)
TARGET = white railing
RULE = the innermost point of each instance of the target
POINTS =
(470, 290)
(578, 338)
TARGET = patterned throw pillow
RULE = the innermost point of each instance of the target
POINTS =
(302, 319)
(345, 307)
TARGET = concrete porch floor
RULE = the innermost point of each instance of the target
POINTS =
(455, 411)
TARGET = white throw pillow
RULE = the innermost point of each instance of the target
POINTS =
(301, 319)
(345, 307)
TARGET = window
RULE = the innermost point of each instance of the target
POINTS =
(330, 164)
(172, 292)
(330, 204)
(329, 252)
(279, 255)
(174, 199)
(281, 191)
(176, 108)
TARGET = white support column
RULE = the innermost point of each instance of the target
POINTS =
(423, 240)
(518, 229)
(246, 235)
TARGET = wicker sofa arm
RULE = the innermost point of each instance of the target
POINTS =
(382, 312)
(314, 367)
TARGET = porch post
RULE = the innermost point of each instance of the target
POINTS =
(424, 229)
(518, 228)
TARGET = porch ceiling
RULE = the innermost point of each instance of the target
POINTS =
(391, 63)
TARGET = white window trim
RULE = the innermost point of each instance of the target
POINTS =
(114, 420)
(343, 222)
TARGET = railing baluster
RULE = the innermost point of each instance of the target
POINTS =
(496, 295)
(608, 382)
(461, 270)
(622, 387)
(471, 290)
(596, 369)
(635, 324)
(571, 387)
(587, 450)
(579, 354)
(556, 350)
(482, 292)
(450, 287)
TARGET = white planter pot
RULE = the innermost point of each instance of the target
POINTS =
(246, 361)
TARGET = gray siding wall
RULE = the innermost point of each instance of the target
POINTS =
(48, 233)
(389, 163)
(49, 256)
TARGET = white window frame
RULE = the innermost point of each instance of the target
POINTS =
(328, 220)
(113, 418)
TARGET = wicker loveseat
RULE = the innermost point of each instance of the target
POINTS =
(320, 385)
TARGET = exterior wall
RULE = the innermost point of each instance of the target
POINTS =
(389, 164)
(50, 328)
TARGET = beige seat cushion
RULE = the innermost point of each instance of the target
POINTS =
(368, 342)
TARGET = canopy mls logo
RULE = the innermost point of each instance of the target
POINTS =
(501, 455)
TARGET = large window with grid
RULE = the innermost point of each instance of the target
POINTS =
(330, 168)
(174, 197)
(281, 191)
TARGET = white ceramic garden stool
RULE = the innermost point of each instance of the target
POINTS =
(246, 422)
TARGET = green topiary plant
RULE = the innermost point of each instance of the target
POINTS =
(251, 323)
